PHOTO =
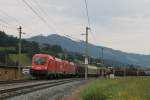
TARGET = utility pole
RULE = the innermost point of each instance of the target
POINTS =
(137, 71)
(65, 54)
(101, 60)
(86, 53)
(19, 45)
(124, 71)
(102, 55)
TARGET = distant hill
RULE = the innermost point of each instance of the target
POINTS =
(111, 54)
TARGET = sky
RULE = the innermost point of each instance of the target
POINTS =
(118, 24)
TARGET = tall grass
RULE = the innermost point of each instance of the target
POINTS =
(130, 88)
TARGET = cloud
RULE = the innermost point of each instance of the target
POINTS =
(119, 24)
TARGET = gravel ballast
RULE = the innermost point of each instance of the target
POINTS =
(53, 93)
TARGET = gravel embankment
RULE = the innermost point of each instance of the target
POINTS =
(53, 93)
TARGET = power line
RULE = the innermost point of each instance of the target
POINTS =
(44, 12)
(89, 23)
(43, 19)
(41, 10)
(4, 21)
(4, 13)
(36, 13)
(87, 13)
(88, 19)
(7, 24)
(8, 17)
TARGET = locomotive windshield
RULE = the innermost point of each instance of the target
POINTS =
(39, 61)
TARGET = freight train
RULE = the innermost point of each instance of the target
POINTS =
(47, 66)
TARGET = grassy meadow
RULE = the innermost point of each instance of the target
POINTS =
(24, 58)
(128, 88)
(8, 48)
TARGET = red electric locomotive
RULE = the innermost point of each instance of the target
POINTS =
(44, 65)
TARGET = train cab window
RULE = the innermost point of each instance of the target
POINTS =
(39, 61)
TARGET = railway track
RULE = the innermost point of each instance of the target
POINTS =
(14, 81)
(18, 81)
(26, 88)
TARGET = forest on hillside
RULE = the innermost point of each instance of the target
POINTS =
(9, 53)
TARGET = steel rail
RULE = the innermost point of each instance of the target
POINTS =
(7, 93)
(14, 81)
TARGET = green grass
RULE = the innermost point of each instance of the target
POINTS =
(24, 59)
(7, 48)
(129, 88)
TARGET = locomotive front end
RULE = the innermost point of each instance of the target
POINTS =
(39, 66)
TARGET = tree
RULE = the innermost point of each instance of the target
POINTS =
(56, 49)
(6, 40)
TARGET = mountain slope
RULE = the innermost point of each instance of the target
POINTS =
(94, 50)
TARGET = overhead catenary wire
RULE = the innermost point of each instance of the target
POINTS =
(52, 21)
(45, 21)
(89, 20)
(8, 16)
(14, 19)
(89, 24)
(41, 10)
(87, 13)
(43, 18)
(37, 14)
(6, 24)
(4, 21)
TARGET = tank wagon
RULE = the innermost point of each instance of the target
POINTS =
(47, 66)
